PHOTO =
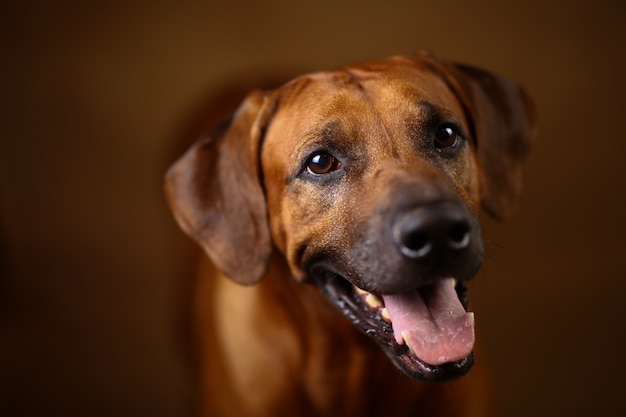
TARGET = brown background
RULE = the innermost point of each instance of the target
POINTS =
(95, 95)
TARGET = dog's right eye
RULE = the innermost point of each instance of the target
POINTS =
(322, 163)
(446, 136)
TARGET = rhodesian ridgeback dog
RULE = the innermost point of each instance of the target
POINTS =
(339, 214)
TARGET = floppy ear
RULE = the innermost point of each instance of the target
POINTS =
(502, 118)
(215, 193)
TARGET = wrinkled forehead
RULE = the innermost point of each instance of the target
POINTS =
(359, 97)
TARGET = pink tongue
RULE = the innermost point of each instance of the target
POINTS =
(433, 323)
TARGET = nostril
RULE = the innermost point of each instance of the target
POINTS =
(433, 233)
(416, 244)
(459, 235)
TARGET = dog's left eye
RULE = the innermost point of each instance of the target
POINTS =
(446, 136)
(322, 163)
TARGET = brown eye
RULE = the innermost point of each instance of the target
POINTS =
(446, 136)
(322, 163)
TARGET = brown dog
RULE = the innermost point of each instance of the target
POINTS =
(349, 199)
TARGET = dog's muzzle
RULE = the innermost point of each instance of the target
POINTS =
(405, 285)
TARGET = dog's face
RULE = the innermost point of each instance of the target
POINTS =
(369, 178)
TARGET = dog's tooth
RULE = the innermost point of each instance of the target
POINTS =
(373, 301)
(404, 339)
(385, 315)
(360, 291)
(472, 319)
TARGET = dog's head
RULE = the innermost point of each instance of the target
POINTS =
(368, 180)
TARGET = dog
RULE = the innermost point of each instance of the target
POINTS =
(339, 216)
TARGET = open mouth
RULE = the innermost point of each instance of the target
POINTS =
(427, 333)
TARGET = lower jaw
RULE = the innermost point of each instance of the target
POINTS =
(411, 366)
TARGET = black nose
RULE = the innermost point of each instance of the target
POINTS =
(433, 232)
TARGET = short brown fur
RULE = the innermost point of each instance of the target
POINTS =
(278, 348)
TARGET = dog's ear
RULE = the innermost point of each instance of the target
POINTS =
(502, 118)
(215, 193)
